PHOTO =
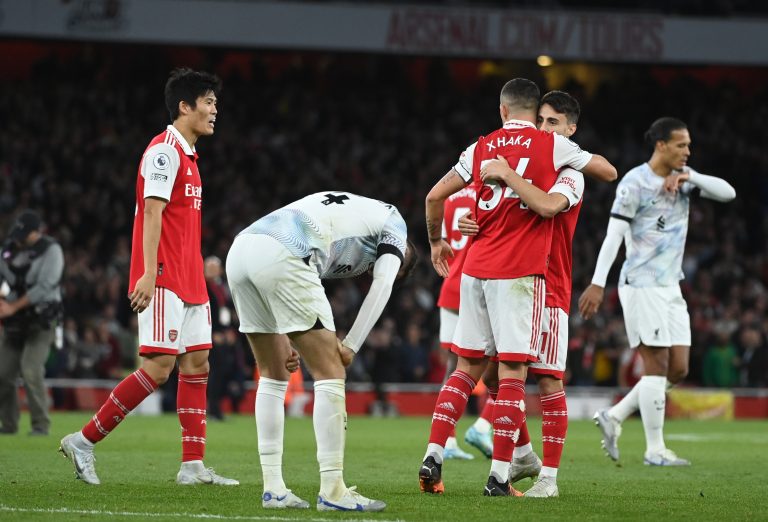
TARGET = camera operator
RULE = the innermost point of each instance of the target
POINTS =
(31, 268)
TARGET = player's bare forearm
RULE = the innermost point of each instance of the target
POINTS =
(153, 227)
(542, 203)
(600, 169)
(153, 223)
(447, 186)
(433, 225)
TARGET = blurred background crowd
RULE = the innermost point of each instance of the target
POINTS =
(78, 117)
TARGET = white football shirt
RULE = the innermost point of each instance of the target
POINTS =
(339, 233)
(658, 226)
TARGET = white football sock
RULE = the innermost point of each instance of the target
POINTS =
(500, 470)
(82, 443)
(521, 451)
(270, 423)
(482, 425)
(546, 471)
(652, 398)
(451, 443)
(436, 451)
(626, 406)
(330, 420)
(193, 465)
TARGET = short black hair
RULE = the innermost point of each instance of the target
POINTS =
(563, 103)
(662, 129)
(520, 94)
(187, 85)
(410, 260)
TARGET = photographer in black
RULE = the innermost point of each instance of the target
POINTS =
(31, 268)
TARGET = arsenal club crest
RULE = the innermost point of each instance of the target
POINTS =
(172, 335)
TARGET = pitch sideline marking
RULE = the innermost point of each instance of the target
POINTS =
(715, 436)
(97, 512)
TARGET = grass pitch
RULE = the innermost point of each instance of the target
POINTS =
(137, 465)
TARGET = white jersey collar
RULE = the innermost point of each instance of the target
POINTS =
(511, 124)
(189, 151)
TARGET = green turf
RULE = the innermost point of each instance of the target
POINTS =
(137, 466)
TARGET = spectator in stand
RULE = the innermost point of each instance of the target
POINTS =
(415, 360)
(721, 362)
(86, 185)
(753, 371)
(226, 379)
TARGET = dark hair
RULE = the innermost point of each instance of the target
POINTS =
(563, 103)
(661, 130)
(187, 85)
(410, 260)
(520, 94)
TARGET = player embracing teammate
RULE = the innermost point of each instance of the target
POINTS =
(502, 308)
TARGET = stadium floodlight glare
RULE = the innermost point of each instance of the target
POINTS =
(544, 60)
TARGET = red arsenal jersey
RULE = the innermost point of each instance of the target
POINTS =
(513, 241)
(570, 183)
(455, 207)
(168, 170)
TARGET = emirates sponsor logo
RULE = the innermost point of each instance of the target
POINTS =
(196, 193)
(447, 406)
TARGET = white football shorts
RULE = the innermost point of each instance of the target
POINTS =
(655, 316)
(171, 326)
(273, 290)
(502, 317)
(448, 320)
(553, 349)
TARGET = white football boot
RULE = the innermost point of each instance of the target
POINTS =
(351, 500)
(270, 500)
(611, 430)
(666, 457)
(83, 459)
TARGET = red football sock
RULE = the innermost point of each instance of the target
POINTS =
(124, 398)
(450, 406)
(190, 405)
(554, 425)
(487, 412)
(508, 418)
(525, 437)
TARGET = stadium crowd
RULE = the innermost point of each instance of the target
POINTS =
(78, 117)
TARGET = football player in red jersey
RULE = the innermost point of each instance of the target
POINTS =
(559, 113)
(167, 286)
(502, 289)
(457, 205)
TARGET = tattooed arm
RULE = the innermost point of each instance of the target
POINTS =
(451, 183)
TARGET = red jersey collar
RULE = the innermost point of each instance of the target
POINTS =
(509, 124)
(189, 151)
